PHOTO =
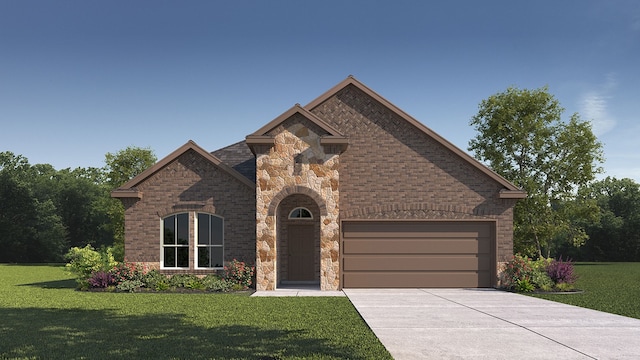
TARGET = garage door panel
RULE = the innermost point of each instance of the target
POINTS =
(405, 246)
(417, 263)
(418, 254)
(416, 279)
(413, 229)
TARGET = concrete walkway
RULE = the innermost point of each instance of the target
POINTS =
(491, 324)
(298, 290)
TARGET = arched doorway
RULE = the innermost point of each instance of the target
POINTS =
(298, 247)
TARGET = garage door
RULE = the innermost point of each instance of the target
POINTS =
(417, 254)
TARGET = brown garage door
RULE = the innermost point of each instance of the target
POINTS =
(384, 254)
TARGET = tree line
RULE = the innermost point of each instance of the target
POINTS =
(44, 212)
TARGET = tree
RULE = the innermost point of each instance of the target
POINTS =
(32, 231)
(522, 137)
(616, 237)
(120, 168)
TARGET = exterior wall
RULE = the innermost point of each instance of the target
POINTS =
(190, 183)
(296, 164)
(391, 170)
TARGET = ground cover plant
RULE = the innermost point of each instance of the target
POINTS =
(609, 287)
(45, 317)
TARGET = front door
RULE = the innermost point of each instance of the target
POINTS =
(300, 245)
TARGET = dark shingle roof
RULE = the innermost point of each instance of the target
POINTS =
(240, 158)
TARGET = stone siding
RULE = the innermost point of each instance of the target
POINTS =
(296, 164)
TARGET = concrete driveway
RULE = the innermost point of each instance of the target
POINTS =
(491, 324)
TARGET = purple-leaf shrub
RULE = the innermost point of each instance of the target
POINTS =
(101, 279)
(561, 271)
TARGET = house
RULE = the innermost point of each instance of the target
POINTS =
(347, 191)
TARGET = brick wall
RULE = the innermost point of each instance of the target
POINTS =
(190, 183)
(392, 170)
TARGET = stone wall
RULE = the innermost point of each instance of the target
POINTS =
(296, 164)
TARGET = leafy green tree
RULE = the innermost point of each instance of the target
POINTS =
(522, 137)
(616, 237)
(120, 168)
(32, 231)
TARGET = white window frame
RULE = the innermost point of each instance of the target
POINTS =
(162, 245)
(197, 246)
(300, 218)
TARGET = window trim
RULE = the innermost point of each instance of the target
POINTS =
(301, 208)
(163, 246)
(196, 245)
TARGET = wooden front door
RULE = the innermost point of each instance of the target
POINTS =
(300, 245)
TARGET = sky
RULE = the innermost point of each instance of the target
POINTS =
(79, 79)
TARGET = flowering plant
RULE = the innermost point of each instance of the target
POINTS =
(239, 273)
(128, 271)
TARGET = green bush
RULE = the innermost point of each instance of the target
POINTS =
(85, 261)
(156, 281)
(215, 283)
(130, 285)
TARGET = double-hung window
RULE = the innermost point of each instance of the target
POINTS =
(175, 241)
(204, 249)
(209, 250)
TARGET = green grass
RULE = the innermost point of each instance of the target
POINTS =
(609, 287)
(43, 317)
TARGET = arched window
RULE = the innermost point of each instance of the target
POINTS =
(175, 241)
(210, 248)
(203, 250)
(300, 213)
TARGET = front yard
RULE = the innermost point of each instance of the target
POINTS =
(43, 317)
(608, 287)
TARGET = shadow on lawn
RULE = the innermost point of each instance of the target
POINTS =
(103, 334)
(56, 284)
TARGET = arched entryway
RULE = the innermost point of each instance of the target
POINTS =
(298, 240)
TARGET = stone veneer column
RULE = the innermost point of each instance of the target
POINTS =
(297, 163)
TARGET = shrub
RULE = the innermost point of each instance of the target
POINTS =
(183, 280)
(524, 285)
(128, 271)
(154, 280)
(129, 285)
(101, 279)
(561, 272)
(520, 268)
(85, 261)
(215, 283)
(239, 273)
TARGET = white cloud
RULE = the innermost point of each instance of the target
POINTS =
(594, 107)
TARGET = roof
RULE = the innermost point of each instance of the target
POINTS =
(240, 158)
(332, 136)
(129, 190)
(510, 192)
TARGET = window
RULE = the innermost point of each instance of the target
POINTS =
(175, 243)
(206, 244)
(209, 251)
(300, 213)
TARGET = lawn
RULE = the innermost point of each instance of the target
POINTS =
(609, 287)
(43, 317)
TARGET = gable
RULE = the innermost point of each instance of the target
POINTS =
(129, 189)
(359, 99)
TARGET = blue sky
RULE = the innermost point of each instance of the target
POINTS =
(79, 79)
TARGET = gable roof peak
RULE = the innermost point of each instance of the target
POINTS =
(130, 186)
